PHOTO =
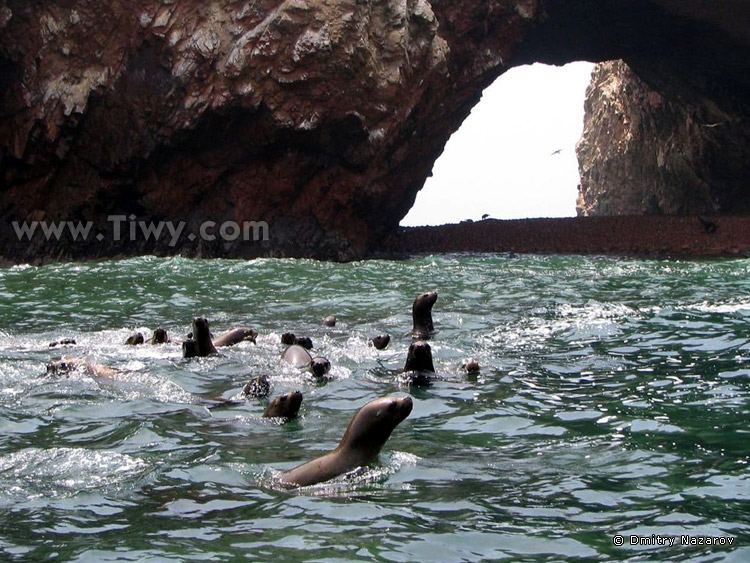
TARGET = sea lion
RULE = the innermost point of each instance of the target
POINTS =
(319, 366)
(63, 342)
(365, 436)
(258, 387)
(288, 338)
(471, 366)
(380, 341)
(202, 336)
(159, 337)
(134, 339)
(284, 406)
(297, 356)
(421, 313)
(419, 357)
(330, 320)
(301, 358)
(67, 364)
(189, 348)
(235, 336)
(418, 366)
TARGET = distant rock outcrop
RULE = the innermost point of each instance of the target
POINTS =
(647, 153)
(318, 119)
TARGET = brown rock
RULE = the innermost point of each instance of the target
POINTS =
(643, 153)
(319, 120)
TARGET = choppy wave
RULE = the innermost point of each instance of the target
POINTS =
(612, 399)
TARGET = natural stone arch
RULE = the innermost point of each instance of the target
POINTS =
(321, 118)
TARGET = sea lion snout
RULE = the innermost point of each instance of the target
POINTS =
(401, 406)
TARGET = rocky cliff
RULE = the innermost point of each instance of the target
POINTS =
(318, 119)
(648, 153)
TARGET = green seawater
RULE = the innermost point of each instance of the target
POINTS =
(613, 399)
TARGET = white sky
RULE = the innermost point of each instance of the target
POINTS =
(500, 161)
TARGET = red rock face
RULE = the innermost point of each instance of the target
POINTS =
(320, 119)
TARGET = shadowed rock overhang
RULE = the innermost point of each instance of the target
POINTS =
(319, 119)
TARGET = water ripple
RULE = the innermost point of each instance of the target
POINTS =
(613, 397)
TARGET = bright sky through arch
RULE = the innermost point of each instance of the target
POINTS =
(504, 160)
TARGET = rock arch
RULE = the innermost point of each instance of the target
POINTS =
(321, 118)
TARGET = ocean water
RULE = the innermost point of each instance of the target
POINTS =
(613, 402)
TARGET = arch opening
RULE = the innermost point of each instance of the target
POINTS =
(514, 156)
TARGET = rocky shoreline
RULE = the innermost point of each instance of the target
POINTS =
(655, 236)
(621, 235)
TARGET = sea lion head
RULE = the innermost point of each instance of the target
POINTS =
(371, 427)
(284, 406)
(257, 387)
(380, 341)
(189, 349)
(248, 334)
(200, 328)
(421, 312)
(160, 336)
(202, 336)
(471, 366)
(320, 366)
(330, 320)
(419, 357)
(65, 365)
(135, 339)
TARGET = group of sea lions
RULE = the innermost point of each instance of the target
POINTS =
(368, 430)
